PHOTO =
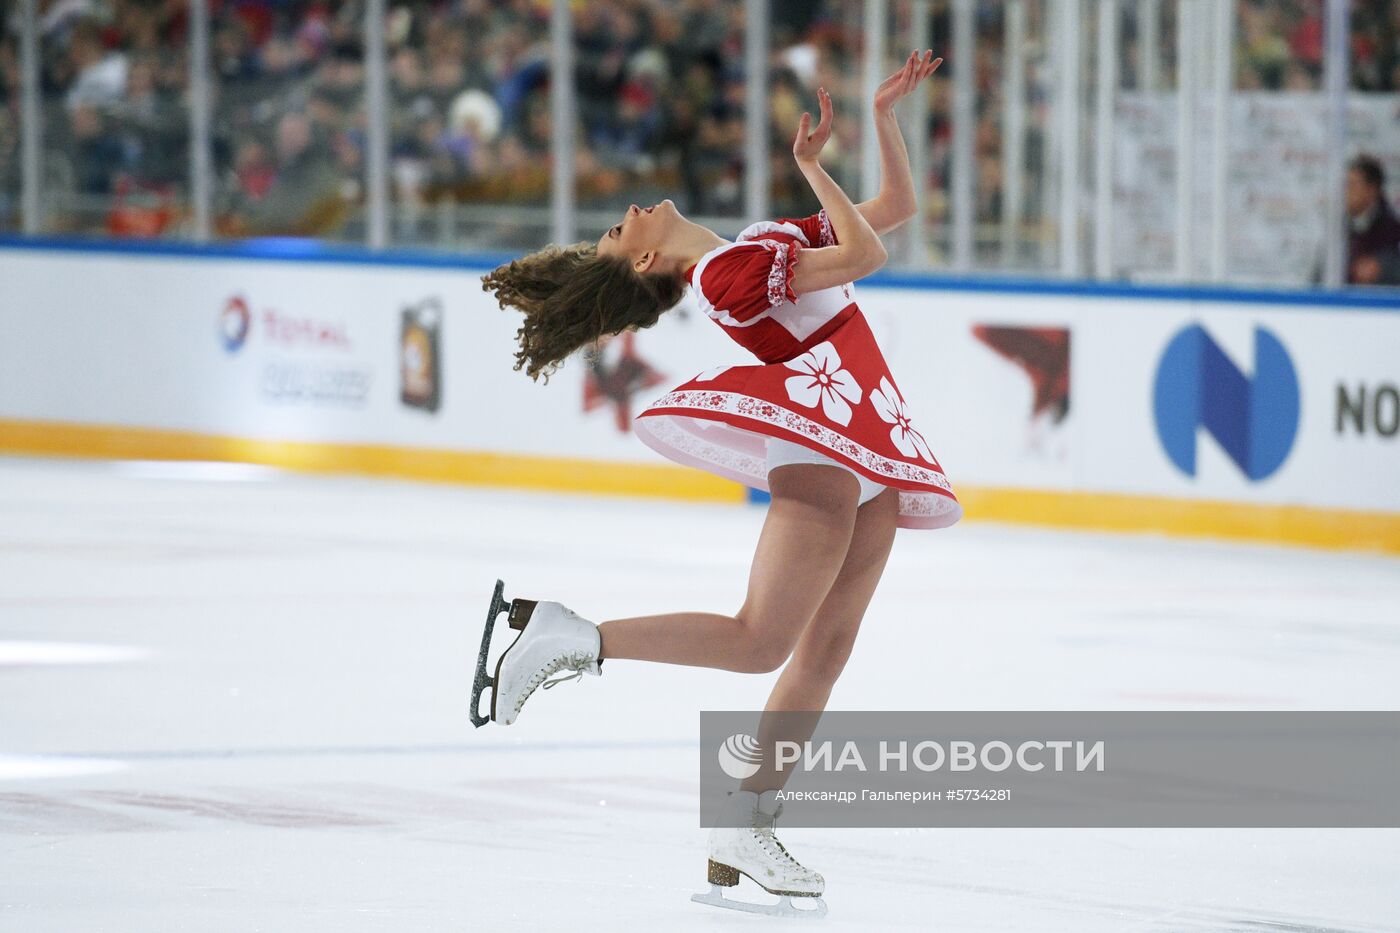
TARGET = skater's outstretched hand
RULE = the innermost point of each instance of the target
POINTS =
(902, 83)
(858, 250)
(809, 142)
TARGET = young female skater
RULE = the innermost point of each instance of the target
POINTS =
(819, 422)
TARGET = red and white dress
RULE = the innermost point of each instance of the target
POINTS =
(822, 381)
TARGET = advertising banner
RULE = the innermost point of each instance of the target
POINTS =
(1191, 399)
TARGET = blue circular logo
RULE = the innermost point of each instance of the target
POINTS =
(1253, 419)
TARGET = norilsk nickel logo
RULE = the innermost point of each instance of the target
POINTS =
(1255, 421)
(739, 756)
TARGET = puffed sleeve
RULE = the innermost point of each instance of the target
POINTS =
(816, 228)
(749, 279)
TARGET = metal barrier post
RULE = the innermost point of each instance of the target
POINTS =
(1013, 144)
(876, 16)
(201, 124)
(1103, 144)
(377, 128)
(31, 129)
(964, 129)
(1336, 69)
(562, 111)
(1185, 139)
(1067, 113)
(756, 182)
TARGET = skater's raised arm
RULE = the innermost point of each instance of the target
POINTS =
(897, 200)
(859, 251)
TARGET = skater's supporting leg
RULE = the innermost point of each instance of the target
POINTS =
(825, 645)
(800, 552)
(792, 713)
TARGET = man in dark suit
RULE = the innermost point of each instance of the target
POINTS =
(1373, 240)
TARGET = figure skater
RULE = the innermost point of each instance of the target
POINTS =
(819, 422)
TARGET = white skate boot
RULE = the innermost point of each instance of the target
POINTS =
(552, 639)
(752, 849)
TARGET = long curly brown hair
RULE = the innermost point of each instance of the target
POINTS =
(571, 296)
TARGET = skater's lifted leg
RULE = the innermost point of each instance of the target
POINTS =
(801, 550)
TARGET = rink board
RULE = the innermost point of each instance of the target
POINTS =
(1266, 415)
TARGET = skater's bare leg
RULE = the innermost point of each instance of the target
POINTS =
(804, 542)
(802, 691)
(826, 643)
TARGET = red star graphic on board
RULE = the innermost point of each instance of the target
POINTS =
(1043, 353)
(615, 374)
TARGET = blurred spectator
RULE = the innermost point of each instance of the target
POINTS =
(95, 152)
(299, 195)
(99, 75)
(1373, 243)
(1263, 42)
(154, 125)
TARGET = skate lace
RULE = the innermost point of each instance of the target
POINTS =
(576, 675)
(575, 661)
(770, 843)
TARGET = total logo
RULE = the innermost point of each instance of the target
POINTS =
(1254, 420)
(278, 328)
(235, 321)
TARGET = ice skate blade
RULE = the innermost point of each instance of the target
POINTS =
(783, 908)
(482, 680)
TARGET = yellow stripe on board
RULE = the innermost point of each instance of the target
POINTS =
(1275, 524)
(1340, 529)
(416, 463)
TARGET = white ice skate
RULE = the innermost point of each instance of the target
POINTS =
(752, 849)
(552, 639)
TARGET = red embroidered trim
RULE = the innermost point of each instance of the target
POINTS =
(780, 273)
(740, 406)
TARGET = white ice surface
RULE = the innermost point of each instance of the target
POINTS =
(273, 734)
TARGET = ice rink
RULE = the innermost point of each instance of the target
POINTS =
(236, 700)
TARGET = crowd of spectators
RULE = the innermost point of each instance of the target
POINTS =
(660, 103)
(1281, 45)
(289, 117)
(115, 128)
